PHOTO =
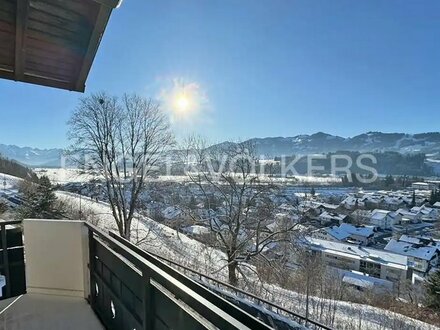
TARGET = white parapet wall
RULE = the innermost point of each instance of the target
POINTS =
(56, 253)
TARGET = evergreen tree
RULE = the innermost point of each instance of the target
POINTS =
(39, 200)
(413, 201)
(432, 197)
(389, 180)
(344, 180)
(433, 290)
(312, 191)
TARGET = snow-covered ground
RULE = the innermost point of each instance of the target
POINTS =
(167, 242)
(153, 236)
(66, 175)
(8, 181)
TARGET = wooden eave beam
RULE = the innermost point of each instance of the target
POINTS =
(37, 80)
(92, 48)
(20, 30)
(108, 3)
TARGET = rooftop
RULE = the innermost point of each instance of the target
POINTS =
(411, 249)
(361, 253)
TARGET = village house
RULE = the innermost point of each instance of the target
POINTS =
(421, 257)
(360, 235)
(381, 264)
(384, 219)
(331, 217)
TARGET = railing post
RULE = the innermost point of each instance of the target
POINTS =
(91, 266)
(148, 307)
(5, 260)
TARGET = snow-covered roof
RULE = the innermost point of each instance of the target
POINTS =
(171, 212)
(337, 233)
(332, 216)
(196, 230)
(350, 200)
(329, 206)
(410, 249)
(361, 253)
(364, 231)
(409, 239)
(380, 214)
(345, 230)
(364, 281)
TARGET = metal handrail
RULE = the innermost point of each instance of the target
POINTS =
(225, 314)
(153, 258)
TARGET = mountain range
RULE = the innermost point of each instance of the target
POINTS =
(428, 143)
(32, 157)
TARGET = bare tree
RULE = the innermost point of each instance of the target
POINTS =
(226, 176)
(124, 141)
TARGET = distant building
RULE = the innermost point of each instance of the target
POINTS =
(362, 235)
(351, 203)
(423, 253)
(384, 219)
(381, 264)
(196, 230)
(423, 186)
(362, 282)
(421, 257)
(327, 217)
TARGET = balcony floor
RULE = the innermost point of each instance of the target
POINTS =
(38, 311)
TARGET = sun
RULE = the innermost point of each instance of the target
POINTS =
(182, 103)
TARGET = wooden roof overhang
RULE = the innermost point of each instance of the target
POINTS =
(51, 42)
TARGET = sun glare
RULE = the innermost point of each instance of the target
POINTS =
(182, 103)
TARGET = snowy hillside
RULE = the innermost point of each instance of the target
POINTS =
(167, 242)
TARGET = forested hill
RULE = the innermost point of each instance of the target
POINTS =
(11, 167)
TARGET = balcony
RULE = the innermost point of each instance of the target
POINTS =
(78, 277)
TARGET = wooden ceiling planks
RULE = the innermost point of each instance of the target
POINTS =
(51, 42)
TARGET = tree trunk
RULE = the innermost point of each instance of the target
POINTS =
(232, 273)
(127, 230)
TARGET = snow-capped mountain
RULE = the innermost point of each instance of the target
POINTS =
(428, 143)
(33, 157)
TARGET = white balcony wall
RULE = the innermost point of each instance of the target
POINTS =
(56, 253)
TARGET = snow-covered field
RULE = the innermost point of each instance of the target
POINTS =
(167, 242)
(66, 175)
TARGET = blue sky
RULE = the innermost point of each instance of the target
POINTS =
(261, 68)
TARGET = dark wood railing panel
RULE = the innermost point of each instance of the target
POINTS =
(116, 289)
(203, 279)
(12, 259)
(173, 314)
(165, 301)
(217, 300)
